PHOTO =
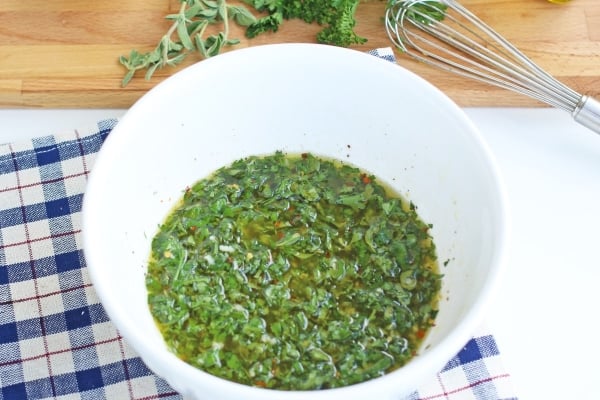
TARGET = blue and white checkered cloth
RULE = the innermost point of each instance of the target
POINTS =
(56, 341)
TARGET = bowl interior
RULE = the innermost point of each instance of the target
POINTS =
(297, 98)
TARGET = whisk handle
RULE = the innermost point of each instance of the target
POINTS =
(587, 113)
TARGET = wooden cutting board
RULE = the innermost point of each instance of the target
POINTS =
(64, 53)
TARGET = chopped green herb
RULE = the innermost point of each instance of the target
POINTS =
(337, 17)
(293, 272)
(188, 32)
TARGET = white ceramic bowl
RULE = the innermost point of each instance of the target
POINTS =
(300, 98)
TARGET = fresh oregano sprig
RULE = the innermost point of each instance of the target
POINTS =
(188, 33)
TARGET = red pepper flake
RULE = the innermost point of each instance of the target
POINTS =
(365, 179)
(280, 235)
(261, 384)
(420, 334)
(304, 156)
(193, 228)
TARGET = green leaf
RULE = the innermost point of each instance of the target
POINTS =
(175, 60)
(214, 44)
(355, 201)
(241, 15)
(209, 13)
(182, 32)
(193, 11)
(196, 26)
(222, 10)
(127, 77)
(150, 72)
(124, 61)
(201, 46)
(288, 240)
(211, 4)
(269, 23)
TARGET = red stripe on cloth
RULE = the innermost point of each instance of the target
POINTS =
(467, 387)
(125, 369)
(41, 296)
(30, 185)
(47, 354)
(40, 239)
(86, 171)
(33, 272)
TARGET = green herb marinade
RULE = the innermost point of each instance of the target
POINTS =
(294, 273)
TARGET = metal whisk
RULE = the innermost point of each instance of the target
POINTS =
(443, 33)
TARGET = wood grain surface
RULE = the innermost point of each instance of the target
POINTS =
(64, 53)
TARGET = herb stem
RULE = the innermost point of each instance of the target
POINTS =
(225, 16)
(167, 37)
(186, 34)
(181, 15)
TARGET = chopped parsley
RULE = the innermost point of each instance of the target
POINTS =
(337, 18)
(295, 273)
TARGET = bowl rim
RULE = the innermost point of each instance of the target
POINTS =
(451, 344)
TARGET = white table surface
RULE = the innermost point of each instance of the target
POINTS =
(544, 318)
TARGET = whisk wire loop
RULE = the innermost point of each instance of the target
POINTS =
(445, 34)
